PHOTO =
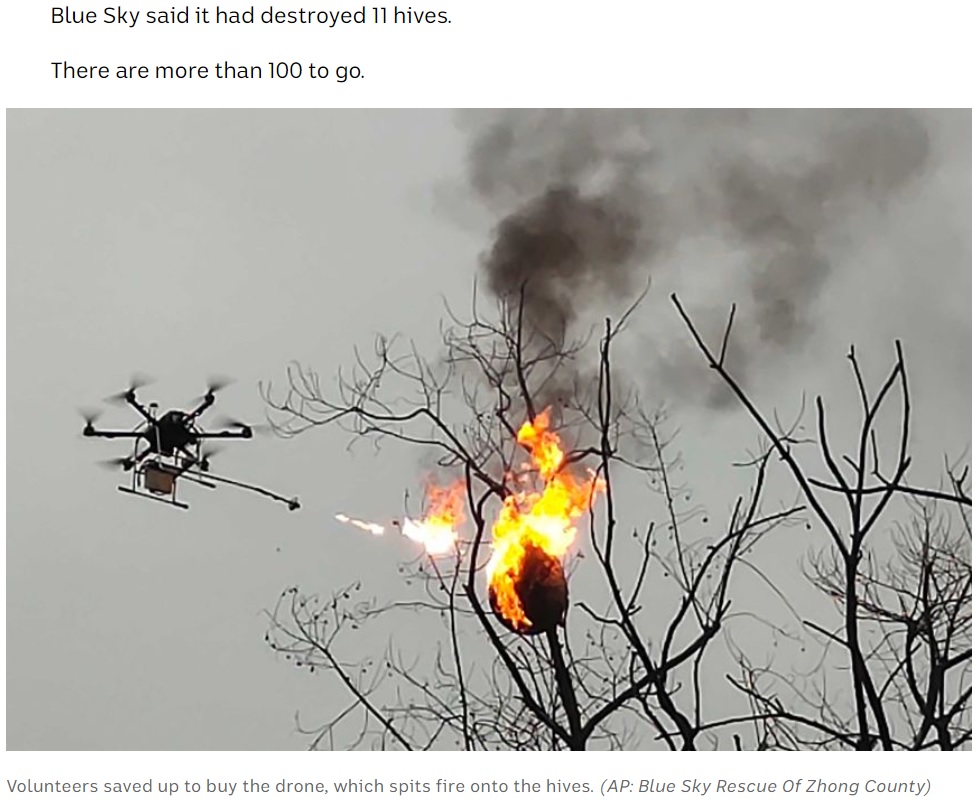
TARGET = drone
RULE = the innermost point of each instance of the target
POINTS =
(173, 445)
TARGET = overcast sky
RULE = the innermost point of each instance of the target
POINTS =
(183, 244)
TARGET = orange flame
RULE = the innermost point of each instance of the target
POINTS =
(438, 531)
(542, 516)
(370, 527)
(539, 517)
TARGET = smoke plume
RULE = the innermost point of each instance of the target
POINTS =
(722, 206)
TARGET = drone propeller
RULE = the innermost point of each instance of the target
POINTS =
(136, 382)
(206, 455)
(228, 422)
(217, 382)
(116, 463)
(90, 416)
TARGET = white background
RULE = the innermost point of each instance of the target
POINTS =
(516, 54)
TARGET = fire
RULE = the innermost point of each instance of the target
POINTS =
(370, 527)
(437, 532)
(545, 446)
(534, 529)
(536, 525)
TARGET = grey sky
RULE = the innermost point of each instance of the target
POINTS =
(187, 243)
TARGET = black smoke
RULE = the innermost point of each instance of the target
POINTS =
(558, 250)
(726, 206)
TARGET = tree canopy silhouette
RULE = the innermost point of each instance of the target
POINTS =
(643, 652)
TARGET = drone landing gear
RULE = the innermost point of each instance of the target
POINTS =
(166, 500)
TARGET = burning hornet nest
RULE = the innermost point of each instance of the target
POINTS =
(535, 527)
(533, 597)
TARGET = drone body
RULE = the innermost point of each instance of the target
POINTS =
(172, 446)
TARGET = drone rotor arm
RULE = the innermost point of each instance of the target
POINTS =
(214, 384)
(145, 413)
(204, 405)
(91, 432)
(129, 397)
(244, 433)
